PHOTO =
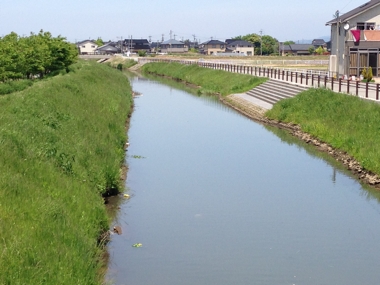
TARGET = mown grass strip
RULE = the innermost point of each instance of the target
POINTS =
(345, 122)
(61, 146)
(208, 80)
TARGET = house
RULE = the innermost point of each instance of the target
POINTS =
(319, 43)
(296, 49)
(135, 45)
(355, 40)
(173, 46)
(242, 47)
(87, 47)
(108, 48)
(212, 47)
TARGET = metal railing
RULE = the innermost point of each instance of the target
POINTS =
(307, 78)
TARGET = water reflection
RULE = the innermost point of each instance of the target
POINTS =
(220, 199)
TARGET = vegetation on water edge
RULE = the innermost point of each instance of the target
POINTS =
(209, 80)
(345, 122)
(61, 147)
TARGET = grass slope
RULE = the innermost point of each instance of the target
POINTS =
(61, 147)
(209, 80)
(345, 122)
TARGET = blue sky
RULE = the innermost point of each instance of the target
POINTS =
(82, 19)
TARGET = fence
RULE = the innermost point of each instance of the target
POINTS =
(307, 78)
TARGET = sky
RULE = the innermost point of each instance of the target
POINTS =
(78, 20)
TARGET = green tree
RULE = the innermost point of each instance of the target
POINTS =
(320, 50)
(289, 43)
(99, 42)
(311, 50)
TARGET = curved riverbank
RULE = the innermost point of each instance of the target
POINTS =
(62, 147)
(342, 125)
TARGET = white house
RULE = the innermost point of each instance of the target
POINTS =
(355, 40)
(87, 47)
(242, 47)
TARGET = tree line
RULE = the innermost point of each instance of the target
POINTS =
(34, 56)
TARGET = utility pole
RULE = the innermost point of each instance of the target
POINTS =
(261, 42)
(171, 32)
(337, 43)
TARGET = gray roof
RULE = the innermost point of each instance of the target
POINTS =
(318, 42)
(241, 43)
(297, 47)
(215, 42)
(86, 41)
(361, 9)
(172, 42)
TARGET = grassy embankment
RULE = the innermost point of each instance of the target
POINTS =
(61, 147)
(345, 122)
(209, 80)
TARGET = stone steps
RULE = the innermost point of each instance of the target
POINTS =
(273, 91)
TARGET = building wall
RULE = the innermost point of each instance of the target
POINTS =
(246, 50)
(341, 50)
(87, 47)
(213, 50)
(175, 49)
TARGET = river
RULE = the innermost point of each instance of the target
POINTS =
(216, 198)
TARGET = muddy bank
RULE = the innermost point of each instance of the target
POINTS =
(258, 114)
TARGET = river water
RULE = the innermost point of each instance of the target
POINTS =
(217, 198)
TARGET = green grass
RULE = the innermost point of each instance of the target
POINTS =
(209, 80)
(61, 147)
(345, 122)
(14, 86)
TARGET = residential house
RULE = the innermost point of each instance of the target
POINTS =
(87, 47)
(212, 47)
(242, 47)
(173, 46)
(135, 45)
(108, 48)
(355, 40)
(319, 43)
(296, 49)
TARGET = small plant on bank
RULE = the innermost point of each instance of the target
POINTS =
(141, 53)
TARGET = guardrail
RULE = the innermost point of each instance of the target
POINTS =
(308, 79)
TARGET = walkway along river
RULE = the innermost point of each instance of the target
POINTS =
(217, 198)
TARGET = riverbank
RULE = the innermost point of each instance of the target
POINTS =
(344, 126)
(62, 147)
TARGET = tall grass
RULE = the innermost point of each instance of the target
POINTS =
(61, 147)
(343, 121)
(209, 80)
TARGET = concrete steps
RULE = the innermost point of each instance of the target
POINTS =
(273, 91)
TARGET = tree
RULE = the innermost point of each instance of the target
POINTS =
(311, 50)
(99, 42)
(320, 50)
(269, 44)
(289, 43)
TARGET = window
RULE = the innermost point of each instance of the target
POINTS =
(213, 46)
(93, 46)
(365, 26)
(221, 46)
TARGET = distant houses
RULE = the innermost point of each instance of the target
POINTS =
(229, 47)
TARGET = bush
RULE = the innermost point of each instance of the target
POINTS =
(14, 86)
(141, 53)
